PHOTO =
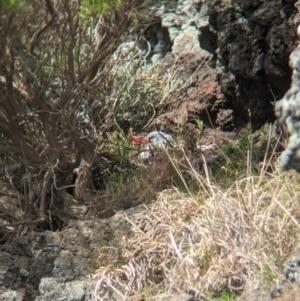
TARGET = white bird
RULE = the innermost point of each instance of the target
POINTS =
(156, 139)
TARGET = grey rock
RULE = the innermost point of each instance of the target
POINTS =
(11, 295)
(9, 271)
(24, 273)
(288, 111)
(47, 261)
(56, 289)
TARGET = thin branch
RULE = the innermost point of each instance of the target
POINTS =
(35, 222)
(46, 182)
(46, 25)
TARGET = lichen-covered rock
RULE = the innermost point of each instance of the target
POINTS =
(54, 289)
(288, 110)
(59, 265)
(53, 265)
(11, 295)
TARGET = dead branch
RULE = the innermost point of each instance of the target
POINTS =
(28, 222)
(54, 101)
(42, 28)
(46, 182)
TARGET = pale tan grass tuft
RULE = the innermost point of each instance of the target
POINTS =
(215, 240)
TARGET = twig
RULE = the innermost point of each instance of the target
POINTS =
(44, 193)
(285, 210)
(35, 222)
(37, 34)
(175, 246)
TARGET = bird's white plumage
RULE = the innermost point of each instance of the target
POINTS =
(155, 139)
(159, 138)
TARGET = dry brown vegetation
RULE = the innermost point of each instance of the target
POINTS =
(63, 91)
(210, 243)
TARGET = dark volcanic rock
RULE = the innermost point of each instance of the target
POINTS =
(246, 43)
(255, 39)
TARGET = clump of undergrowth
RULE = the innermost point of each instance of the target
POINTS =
(213, 242)
(57, 148)
(249, 153)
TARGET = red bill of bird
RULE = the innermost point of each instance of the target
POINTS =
(151, 141)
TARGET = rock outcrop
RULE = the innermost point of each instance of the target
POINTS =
(288, 110)
(242, 49)
(50, 265)
(255, 39)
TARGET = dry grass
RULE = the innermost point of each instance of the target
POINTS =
(206, 243)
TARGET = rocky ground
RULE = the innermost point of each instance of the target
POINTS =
(60, 265)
